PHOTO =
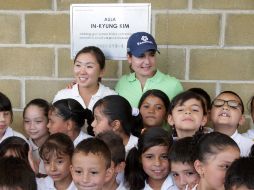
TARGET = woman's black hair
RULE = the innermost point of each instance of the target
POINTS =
(134, 173)
(116, 107)
(41, 103)
(5, 104)
(73, 110)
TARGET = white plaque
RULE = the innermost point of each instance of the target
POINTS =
(107, 26)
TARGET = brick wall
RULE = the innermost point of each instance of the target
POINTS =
(204, 43)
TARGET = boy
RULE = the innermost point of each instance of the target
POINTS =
(116, 147)
(240, 175)
(226, 115)
(91, 162)
(182, 159)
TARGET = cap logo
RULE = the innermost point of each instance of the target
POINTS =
(144, 39)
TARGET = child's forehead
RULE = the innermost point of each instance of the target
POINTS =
(188, 101)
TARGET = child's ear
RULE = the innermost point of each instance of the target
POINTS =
(110, 173)
(71, 169)
(116, 124)
(120, 167)
(102, 71)
(69, 124)
(204, 120)
(129, 59)
(199, 167)
(242, 120)
(170, 120)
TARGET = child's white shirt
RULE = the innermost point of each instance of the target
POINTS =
(47, 183)
(9, 132)
(133, 141)
(168, 184)
(82, 135)
(244, 143)
(121, 186)
(194, 188)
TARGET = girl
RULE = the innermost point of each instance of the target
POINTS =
(187, 114)
(6, 118)
(215, 153)
(56, 154)
(153, 107)
(115, 113)
(250, 132)
(35, 120)
(147, 165)
(68, 116)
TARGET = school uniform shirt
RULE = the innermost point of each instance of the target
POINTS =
(81, 137)
(133, 141)
(249, 134)
(243, 142)
(47, 183)
(9, 132)
(168, 184)
(129, 86)
(36, 156)
(194, 188)
(74, 94)
(121, 186)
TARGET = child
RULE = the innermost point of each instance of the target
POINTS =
(114, 113)
(68, 116)
(240, 175)
(141, 55)
(116, 147)
(147, 165)
(226, 115)
(91, 162)
(250, 132)
(187, 114)
(153, 107)
(35, 120)
(56, 154)
(215, 153)
(16, 174)
(6, 118)
(182, 157)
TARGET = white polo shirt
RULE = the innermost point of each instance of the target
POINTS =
(81, 137)
(9, 132)
(168, 184)
(133, 141)
(47, 183)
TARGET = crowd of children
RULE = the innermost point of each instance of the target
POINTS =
(92, 138)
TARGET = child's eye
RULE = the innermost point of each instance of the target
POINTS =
(94, 172)
(190, 173)
(179, 110)
(46, 162)
(78, 172)
(6, 113)
(145, 106)
(175, 174)
(26, 121)
(60, 161)
(38, 122)
(148, 156)
(164, 157)
(159, 107)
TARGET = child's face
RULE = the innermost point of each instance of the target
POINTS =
(225, 115)
(145, 66)
(56, 123)
(35, 122)
(89, 171)
(5, 121)
(184, 174)
(212, 171)
(155, 163)
(188, 117)
(58, 167)
(153, 111)
(100, 123)
(87, 70)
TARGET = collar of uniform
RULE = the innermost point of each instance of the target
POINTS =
(235, 134)
(132, 76)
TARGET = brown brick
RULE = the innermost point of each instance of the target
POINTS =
(45, 89)
(219, 64)
(223, 4)
(11, 26)
(26, 61)
(109, 83)
(245, 126)
(240, 30)
(45, 28)
(17, 123)
(163, 4)
(25, 4)
(12, 89)
(65, 4)
(188, 29)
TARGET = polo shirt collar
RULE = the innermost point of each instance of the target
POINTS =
(132, 76)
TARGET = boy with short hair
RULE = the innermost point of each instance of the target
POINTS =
(116, 147)
(226, 115)
(240, 175)
(91, 162)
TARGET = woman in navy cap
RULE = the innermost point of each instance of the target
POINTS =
(141, 52)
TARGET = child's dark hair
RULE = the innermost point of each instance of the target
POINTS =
(73, 110)
(115, 145)
(183, 150)
(157, 93)
(251, 105)
(240, 173)
(116, 107)
(41, 103)
(95, 146)
(204, 94)
(251, 154)
(59, 144)
(17, 145)
(235, 94)
(213, 143)
(16, 174)
(134, 173)
(5, 104)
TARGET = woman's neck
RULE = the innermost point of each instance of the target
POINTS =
(87, 92)
(64, 183)
(40, 141)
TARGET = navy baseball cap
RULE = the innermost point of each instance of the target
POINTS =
(140, 42)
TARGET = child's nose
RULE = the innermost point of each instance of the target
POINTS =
(52, 166)
(85, 177)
